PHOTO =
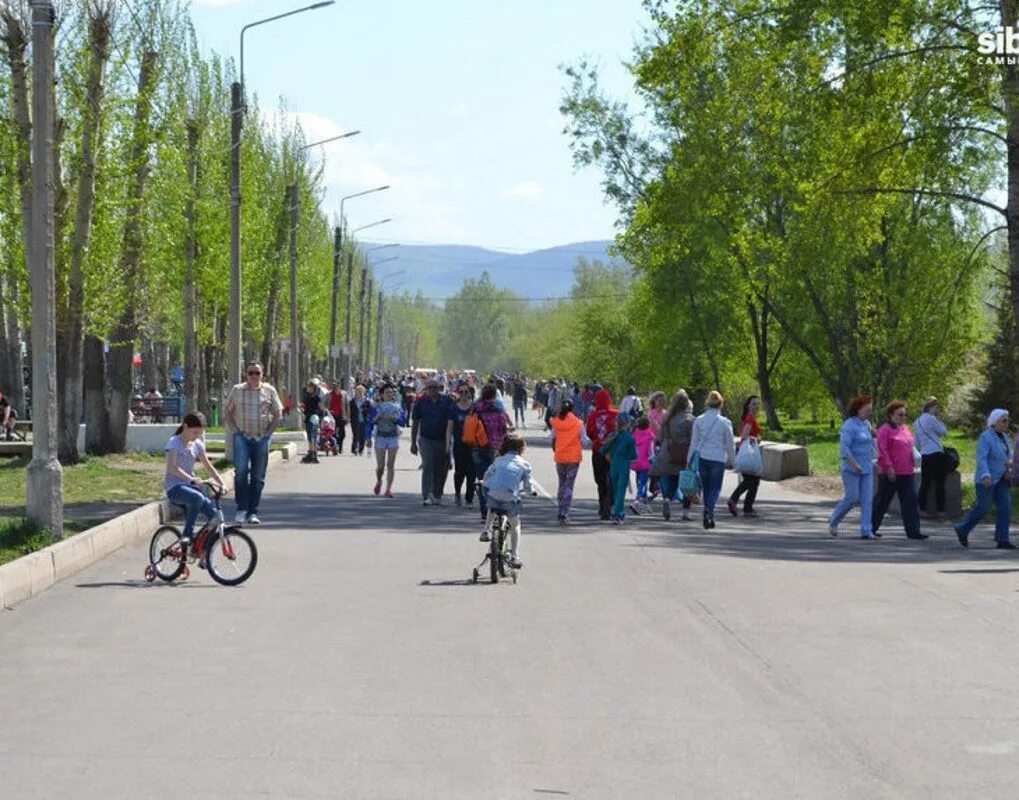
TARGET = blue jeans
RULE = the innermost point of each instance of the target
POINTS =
(642, 481)
(1001, 495)
(669, 484)
(859, 489)
(712, 473)
(251, 457)
(195, 501)
(483, 458)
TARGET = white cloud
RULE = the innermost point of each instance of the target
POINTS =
(460, 111)
(527, 190)
(418, 200)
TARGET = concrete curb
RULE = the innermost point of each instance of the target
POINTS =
(29, 575)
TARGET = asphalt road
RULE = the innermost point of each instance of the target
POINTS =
(655, 660)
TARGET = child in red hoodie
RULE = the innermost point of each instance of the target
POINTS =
(641, 465)
(600, 423)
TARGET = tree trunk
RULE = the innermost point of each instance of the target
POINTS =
(99, 40)
(97, 418)
(192, 399)
(1010, 84)
(126, 330)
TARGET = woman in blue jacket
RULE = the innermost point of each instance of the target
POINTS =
(856, 451)
(993, 482)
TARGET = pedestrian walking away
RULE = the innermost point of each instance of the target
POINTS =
(620, 450)
(252, 413)
(568, 439)
(750, 431)
(644, 438)
(856, 455)
(600, 424)
(993, 480)
(896, 461)
(431, 431)
(673, 452)
(497, 424)
(712, 439)
(935, 462)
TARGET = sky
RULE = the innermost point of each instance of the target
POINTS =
(457, 102)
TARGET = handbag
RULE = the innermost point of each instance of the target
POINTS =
(953, 457)
(748, 459)
(690, 478)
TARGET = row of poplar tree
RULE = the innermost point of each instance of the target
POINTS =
(142, 149)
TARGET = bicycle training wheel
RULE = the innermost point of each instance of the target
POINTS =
(232, 557)
(166, 555)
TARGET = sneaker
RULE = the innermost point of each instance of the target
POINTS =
(389, 494)
(833, 531)
(1005, 546)
(240, 517)
(436, 501)
(516, 563)
(253, 519)
(427, 501)
(634, 508)
(962, 537)
(866, 535)
(378, 487)
(666, 511)
(185, 542)
(561, 520)
(459, 501)
(751, 514)
(686, 516)
(306, 459)
(485, 537)
(617, 520)
(732, 508)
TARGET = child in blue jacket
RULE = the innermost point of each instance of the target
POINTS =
(502, 483)
(620, 450)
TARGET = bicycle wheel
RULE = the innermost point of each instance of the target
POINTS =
(232, 557)
(494, 555)
(503, 532)
(166, 555)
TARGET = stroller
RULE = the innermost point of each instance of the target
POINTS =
(327, 437)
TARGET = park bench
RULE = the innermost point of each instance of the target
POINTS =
(157, 411)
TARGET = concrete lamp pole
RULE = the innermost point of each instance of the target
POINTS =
(380, 351)
(237, 108)
(364, 330)
(44, 502)
(337, 266)
(294, 362)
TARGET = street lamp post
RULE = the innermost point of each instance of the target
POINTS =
(364, 329)
(337, 262)
(294, 363)
(237, 107)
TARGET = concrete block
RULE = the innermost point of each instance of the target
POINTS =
(15, 582)
(71, 555)
(289, 452)
(783, 461)
(953, 496)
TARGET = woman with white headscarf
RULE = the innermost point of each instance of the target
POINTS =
(993, 482)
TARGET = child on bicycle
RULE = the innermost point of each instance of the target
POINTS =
(184, 449)
(502, 484)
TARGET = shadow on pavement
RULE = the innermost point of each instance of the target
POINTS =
(144, 585)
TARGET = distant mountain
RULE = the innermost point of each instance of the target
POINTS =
(440, 270)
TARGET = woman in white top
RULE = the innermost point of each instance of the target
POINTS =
(712, 440)
(934, 462)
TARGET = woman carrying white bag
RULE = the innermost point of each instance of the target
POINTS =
(748, 460)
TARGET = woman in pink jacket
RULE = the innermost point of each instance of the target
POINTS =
(895, 467)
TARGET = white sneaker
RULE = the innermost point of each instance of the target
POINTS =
(485, 537)
(240, 517)
(253, 519)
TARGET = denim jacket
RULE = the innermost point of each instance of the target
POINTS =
(506, 475)
(993, 455)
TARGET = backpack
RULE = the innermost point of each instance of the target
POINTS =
(475, 434)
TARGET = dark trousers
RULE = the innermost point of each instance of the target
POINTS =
(357, 430)
(601, 465)
(483, 458)
(748, 484)
(434, 467)
(341, 434)
(933, 470)
(903, 487)
(463, 462)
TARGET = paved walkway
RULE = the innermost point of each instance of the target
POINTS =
(657, 660)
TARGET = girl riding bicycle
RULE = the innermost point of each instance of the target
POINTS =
(502, 483)
(184, 449)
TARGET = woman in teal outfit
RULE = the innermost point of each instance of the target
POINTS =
(620, 450)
